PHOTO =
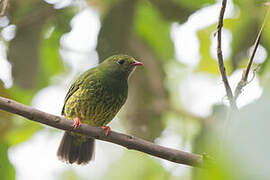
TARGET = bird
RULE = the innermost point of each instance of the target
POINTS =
(94, 98)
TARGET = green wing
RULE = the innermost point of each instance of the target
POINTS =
(76, 85)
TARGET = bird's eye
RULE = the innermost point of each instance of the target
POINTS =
(121, 61)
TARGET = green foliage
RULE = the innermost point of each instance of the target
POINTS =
(207, 63)
(50, 59)
(195, 3)
(23, 131)
(135, 165)
(7, 171)
(22, 95)
(35, 60)
(51, 62)
(70, 175)
(154, 30)
(240, 42)
(142, 29)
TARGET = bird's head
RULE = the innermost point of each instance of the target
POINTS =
(120, 66)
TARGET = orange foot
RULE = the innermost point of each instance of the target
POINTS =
(107, 128)
(77, 123)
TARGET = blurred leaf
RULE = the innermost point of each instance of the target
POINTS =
(155, 31)
(70, 175)
(135, 165)
(7, 170)
(51, 62)
(103, 5)
(115, 30)
(22, 95)
(171, 10)
(22, 132)
(246, 4)
(240, 42)
(19, 9)
(35, 59)
(3, 91)
(221, 170)
(24, 48)
(6, 121)
(194, 3)
(50, 59)
(208, 63)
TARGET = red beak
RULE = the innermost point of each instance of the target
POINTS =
(137, 63)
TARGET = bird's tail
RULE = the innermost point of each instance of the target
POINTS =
(73, 149)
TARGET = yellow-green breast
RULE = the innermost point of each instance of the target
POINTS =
(95, 102)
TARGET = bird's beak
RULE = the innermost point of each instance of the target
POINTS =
(137, 63)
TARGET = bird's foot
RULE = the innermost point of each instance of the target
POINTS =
(77, 123)
(107, 128)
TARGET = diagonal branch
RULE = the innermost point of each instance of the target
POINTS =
(220, 57)
(127, 141)
(243, 82)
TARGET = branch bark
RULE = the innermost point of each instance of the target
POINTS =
(220, 57)
(127, 141)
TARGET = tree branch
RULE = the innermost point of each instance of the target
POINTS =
(127, 141)
(243, 82)
(220, 57)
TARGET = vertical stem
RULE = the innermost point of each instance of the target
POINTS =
(220, 57)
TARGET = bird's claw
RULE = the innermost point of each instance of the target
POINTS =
(107, 128)
(77, 123)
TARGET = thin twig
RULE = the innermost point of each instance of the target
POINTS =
(127, 141)
(4, 7)
(220, 58)
(243, 82)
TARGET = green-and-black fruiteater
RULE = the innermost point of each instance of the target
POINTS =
(94, 98)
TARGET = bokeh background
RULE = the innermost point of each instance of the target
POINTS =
(176, 99)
